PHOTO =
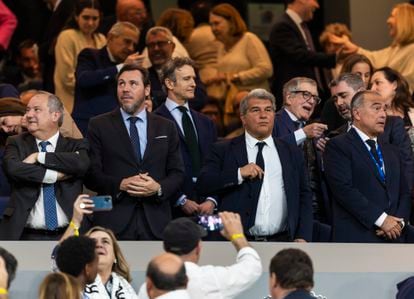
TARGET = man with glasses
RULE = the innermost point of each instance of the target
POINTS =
(260, 177)
(160, 47)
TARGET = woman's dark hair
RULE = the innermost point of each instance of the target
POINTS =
(80, 5)
(353, 59)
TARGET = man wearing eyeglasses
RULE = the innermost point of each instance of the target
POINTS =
(260, 177)
(160, 47)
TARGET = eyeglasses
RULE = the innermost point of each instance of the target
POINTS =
(159, 44)
(307, 96)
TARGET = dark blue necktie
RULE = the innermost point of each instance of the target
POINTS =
(373, 145)
(259, 157)
(133, 134)
(49, 198)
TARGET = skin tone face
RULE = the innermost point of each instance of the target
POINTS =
(220, 27)
(132, 92)
(88, 20)
(123, 45)
(29, 62)
(370, 116)
(160, 49)
(384, 87)
(104, 250)
(362, 69)
(132, 11)
(309, 8)
(184, 87)
(296, 103)
(392, 23)
(41, 122)
(259, 118)
(342, 94)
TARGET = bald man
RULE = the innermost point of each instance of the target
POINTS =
(166, 277)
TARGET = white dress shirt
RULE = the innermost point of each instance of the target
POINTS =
(177, 114)
(36, 217)
(271, 214)
(218, 282)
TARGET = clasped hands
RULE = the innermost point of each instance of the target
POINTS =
(140, 185)
(391, 228)
(193, 208)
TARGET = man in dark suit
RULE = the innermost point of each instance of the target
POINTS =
(45, 171)
(260, 177)
(371, 199)
(135, 158)
(197, 132)
(292, 49)
(291, 275)
(160, 49)
(95, 88)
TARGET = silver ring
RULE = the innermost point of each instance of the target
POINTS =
(82, 205)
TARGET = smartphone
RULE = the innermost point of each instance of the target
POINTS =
(102, 202)
(210, 222)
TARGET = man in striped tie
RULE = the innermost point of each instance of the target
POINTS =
(45, 172)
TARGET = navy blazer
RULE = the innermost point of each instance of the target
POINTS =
(359, 195)
(219, 176)
(207, 135)
(291, 57)
(284, 127)
(113, 159)
(95, 88)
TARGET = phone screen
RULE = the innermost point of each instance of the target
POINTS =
(102, 202)
(210, 222)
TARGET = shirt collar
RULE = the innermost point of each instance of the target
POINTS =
(171, 105)
(291, 115)
(362, 135)
(251, 141)
(111, 57)
(294, 16)
(52, 140)
(142, 115)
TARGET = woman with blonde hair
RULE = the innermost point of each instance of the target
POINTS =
(59, 285)
(399, 55)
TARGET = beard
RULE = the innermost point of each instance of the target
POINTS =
(133, 107)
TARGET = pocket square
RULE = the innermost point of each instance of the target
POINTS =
(161, 137)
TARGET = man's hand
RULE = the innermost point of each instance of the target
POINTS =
(128, 181)
(135, 58)
(321, 143)
(391, 227)
(62, 176)
(299, 240)
(143, 186)
(31, 159)
(232, 226)
(78, 212)
(314, 130)
(251, 171)
(207, 207)
(190, 207)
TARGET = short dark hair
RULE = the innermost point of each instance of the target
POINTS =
(164, 281)
(352, 80)
(74, 254)
(135, 67)
(293, 269)
(168, 70)
(201, 11)
(80, 5)
(10, 263)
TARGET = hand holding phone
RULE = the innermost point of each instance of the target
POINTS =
(210, 222)
(102, 203)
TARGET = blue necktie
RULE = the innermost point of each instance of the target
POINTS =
(49, 199)
(133, 134)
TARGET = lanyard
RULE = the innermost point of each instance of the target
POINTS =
(380, 167)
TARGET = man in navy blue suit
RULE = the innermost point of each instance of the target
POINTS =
(195, 140)
(371, 198)
(96, 70)
(260, 177)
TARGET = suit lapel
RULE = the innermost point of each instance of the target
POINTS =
(357, 142)
(238, 148)
(151, 133)
(288, 121)
(284, 161)
(390, 166)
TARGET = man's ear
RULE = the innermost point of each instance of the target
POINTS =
(150, 286)
(169, 83)
(273, 280)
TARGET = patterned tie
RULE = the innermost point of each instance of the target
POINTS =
(191, 140)
(133, 134)
(49, 198)
(259, 157)
(373, 145)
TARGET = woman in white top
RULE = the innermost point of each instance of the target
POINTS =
(80, 33)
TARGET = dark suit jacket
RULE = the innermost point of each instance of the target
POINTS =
(299, 294)
(70, 157)
(158, 95)
(291, 57)
(112, 159)
(359, 196)
(284, 127)
(95, 89)
(207, 135)
(219, 176)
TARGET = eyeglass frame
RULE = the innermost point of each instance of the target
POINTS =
(160, 44)
(306, 95)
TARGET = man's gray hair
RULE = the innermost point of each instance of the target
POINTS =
(154, 30)
(359, 98)
(260, 94)
(54, 104)
(294, 85)
(352, 80)
(118, 28)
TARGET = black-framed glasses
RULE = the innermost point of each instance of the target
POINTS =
(159, 44)
(307, 96)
